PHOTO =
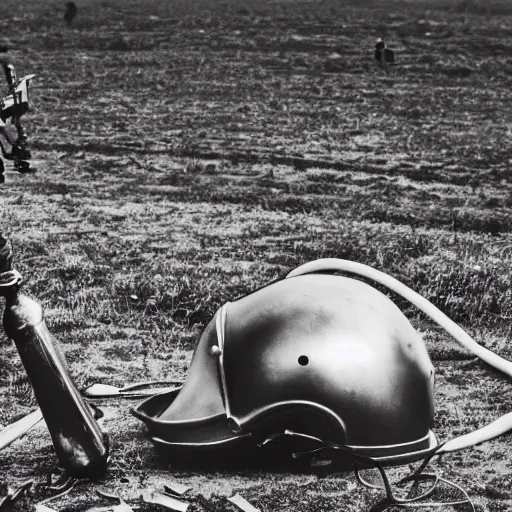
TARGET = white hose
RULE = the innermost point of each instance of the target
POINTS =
(495, 429)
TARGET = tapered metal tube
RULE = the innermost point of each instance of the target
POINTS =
(81, 447)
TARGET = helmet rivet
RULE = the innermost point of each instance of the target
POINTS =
(215, 351)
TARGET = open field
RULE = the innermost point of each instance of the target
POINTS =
(191, 151)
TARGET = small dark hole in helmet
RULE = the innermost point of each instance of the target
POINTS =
(303, 360)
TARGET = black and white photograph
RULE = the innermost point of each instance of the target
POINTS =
(255, 255)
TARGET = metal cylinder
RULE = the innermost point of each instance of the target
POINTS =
(81, 447)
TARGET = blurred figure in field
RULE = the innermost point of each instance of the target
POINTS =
(384, 56)
(71, 11)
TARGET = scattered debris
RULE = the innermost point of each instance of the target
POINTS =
(57, 479)
(12, 494)
(102, 391)
(122, 507)
(44, 508)
(97, 412)
(19, 428)
(164, 500)
(178, 489)
(242, 503)
(68, 484)
(141, 389)
(108, 495)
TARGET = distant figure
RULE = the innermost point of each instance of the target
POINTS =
(70, 14)
(383, 55)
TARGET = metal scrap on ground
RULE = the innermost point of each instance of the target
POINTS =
(242, 503)
(142, 389)
(19, 428)
(12, 494)
(64, 488)
(178, 489)
(164, 500)
(43, 508)
(122, 507)
(107, 494)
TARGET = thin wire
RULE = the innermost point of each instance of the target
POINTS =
(358, 461)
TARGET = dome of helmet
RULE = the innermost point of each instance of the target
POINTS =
(321, 355)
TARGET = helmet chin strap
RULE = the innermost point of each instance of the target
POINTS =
(490, 431)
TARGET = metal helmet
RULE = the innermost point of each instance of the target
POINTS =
(324, 356)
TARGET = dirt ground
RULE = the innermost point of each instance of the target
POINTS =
(188, 152)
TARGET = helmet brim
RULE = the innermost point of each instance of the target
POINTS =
(211, 435)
